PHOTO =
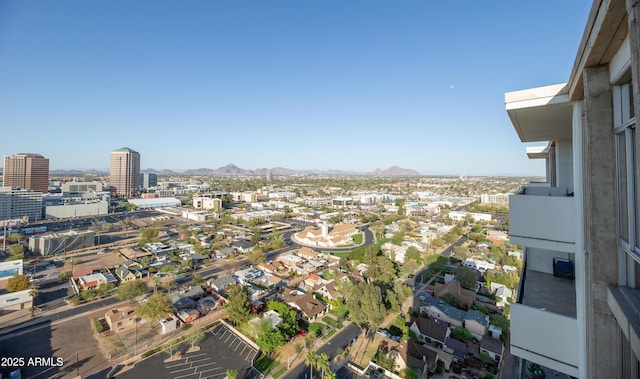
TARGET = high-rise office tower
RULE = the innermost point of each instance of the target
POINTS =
(578, 305)
(124, 172)
(27, 171)
(148, 180)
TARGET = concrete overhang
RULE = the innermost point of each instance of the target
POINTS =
(538, 152)
(540, 114)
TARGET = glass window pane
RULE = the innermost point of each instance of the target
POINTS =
(623, 215)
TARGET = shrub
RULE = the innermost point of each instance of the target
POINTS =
(98, 325)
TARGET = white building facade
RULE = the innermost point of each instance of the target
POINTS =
(581, 229)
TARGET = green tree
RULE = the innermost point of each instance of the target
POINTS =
(289, 325)
(198, 280)
(238, 306)
(410, 266)
(466, 278)
(156, 306)
(269, 338)
(16, 250)
(194, 336)
(168, 283)
(232, 374)
(87, 295)
(144, 262)
(413, 253)
(148, 235)
(104, 288)
(18, 283)
(449, 298)
(277, 244)
(461, 334)
(131, 290)
(15, 237)
(391, 300)
(397, 239)
(365, 305)
(65, 275)
(257, 256)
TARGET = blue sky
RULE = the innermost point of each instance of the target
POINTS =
(332, 84)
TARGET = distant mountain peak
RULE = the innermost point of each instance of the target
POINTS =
(395, 171)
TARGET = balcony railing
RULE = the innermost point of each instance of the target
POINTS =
(542, 217)
(547, 338)
(543, 321)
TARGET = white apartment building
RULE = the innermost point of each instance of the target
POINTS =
(207, 202)
(18, 203)
(578, 304)
(496, 198)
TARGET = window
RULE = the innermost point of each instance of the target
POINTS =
(628, 198)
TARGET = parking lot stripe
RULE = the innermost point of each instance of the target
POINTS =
(243, 349)
(184, 376)
(211, 369)
(183, 369)
(230, 335)
(195, 355)
(201, 360)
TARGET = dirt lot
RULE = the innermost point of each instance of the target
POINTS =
(72, 342)
(93, 261)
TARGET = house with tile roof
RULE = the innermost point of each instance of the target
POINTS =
(307, 253)
(310, 309)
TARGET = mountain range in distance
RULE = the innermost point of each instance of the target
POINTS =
(233, 170)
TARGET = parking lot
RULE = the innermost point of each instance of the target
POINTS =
(221, 350)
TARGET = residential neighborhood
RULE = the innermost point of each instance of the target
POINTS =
(428, 292)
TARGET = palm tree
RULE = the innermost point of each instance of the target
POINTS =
(33, 292)
(156, 283)
(323, 363)
(311, 360)
(330, 375)
(231, 374)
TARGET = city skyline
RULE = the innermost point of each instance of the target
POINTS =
(353, 87)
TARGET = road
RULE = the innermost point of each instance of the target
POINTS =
(339, 341)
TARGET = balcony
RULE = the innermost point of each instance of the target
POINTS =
(544, 327)
(542, 217)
